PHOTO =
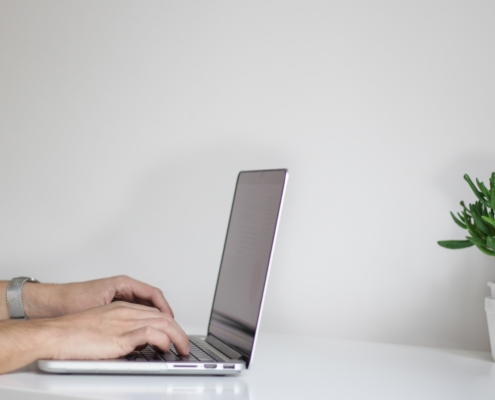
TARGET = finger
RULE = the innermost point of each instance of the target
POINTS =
(146, 335)
(143, 315)
(130, 289)
(168, 326)
(133, 306)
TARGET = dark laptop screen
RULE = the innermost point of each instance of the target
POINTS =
(246, 258)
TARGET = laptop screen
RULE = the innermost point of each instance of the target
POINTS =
(246, 258)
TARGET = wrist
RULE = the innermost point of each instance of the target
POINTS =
(4, 312)
(49, 337)
(40, 300)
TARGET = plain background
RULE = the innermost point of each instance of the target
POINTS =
(123, 125)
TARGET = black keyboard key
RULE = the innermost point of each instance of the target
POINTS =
(169, 356)
(189, 358)
(147, 351)
(198, 352)
(204, 358)
(149, 354)
(135, 356)
(199, 344)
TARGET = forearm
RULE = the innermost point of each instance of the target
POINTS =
(4, 312)
(22, 342)
(40, 300)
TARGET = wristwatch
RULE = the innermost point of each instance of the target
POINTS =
(14, 296)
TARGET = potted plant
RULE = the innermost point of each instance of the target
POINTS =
(479, 220)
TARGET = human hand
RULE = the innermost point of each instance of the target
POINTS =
(104, 332)
(112, 331)
(54, 300)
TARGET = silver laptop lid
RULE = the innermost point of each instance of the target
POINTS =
(246, 259)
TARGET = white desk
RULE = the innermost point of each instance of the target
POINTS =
(343, 370)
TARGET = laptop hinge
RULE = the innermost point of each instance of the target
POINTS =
(228, 351)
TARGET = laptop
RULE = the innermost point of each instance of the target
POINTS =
(228, 347)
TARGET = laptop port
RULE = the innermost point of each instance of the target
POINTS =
(210, 365)
(228, 366)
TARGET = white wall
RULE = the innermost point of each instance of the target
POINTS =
(123, 126)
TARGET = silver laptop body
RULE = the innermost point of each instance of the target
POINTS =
(239, 294)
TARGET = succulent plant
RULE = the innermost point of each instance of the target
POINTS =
(477, 218)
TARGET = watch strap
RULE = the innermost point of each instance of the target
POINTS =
(14, 296)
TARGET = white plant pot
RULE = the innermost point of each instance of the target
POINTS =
(490, 316)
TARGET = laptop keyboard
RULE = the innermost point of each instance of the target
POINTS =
(199, 352)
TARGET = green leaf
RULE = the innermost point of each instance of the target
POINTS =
(491, 221)
(492, 190)
(490, 242)
(469, 222)
(486, 251)
(475, 240)
(455, 244)
(476, 233)
(483, 189)
(480, 224)
(465, 209)
(462, 225)
(461, 217)
(477, 193)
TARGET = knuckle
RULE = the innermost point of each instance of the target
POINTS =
(121, 310)
(121, 278)
(147, 331)
(119, 305)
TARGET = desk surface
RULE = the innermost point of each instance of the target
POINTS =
(288, 367)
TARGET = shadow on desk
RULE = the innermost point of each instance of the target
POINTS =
(129, 387)
(475, 355)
